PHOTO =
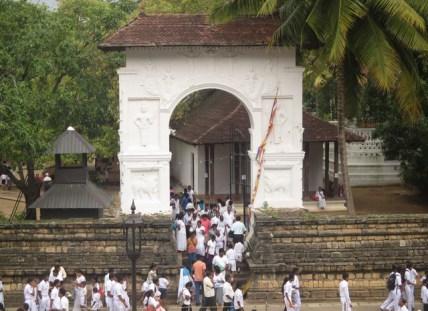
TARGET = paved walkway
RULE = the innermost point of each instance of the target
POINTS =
(323, 306)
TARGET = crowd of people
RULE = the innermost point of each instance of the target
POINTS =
(211, 241)
(49, 293)
(401, 285)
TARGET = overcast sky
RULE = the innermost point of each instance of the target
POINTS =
(49, 3)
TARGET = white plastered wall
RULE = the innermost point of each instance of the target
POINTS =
(155, 80)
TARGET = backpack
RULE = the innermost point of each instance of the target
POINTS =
(390, 282)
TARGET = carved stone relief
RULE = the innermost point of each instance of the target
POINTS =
(145, 185)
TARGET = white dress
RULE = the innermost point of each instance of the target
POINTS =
(321, 199)
(200, 237)
(181, 236)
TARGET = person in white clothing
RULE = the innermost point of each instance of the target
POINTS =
(228, 294)
(424, 295)
(163, 287)
(402, 305)
(2, 294)
(287, 289)
(394, 287)
(239, 251)
(96, 303)
(119, 302)
(238, 229)
(79, 291)
(220, 260)
(107, 276)
(43, 293)
(231, 260)
(410, 276)
(61, 271)
(186, 297)
(238, 298)
(108, 289)
(345, 299)
(180, 231)
(63, 300)
(30, 294)
(296, 290)
(320, 197)
(55, 301)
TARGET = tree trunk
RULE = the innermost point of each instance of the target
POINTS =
(29, 187)
(340, 76)
(32, 189)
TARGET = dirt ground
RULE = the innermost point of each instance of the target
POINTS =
(368, 200)
(388, 199)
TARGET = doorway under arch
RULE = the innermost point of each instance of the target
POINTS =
(209, 143)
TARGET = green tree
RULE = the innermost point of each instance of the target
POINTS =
(354, 40)
(179, 6)
(52, 75)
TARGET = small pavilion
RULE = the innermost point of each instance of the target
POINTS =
(72, 194)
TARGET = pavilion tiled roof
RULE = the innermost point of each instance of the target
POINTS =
(222, 118)
(317, 130)
(191, 30)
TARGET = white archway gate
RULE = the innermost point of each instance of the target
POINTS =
(156, 79)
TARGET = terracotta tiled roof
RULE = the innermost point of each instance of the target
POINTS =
(320, 130)
(191, 30)
(222, 118)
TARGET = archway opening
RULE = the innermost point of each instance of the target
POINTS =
(209, 141)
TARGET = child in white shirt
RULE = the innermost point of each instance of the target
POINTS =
(424, 294)
(239, 250)
(96, 303)
(231, 261)
(63, 300)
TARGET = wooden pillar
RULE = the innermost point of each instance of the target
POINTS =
(38, 214)
(306, 171)
(336, 168)
(326, 166)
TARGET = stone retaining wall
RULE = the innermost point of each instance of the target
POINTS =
(323, 248)
(30, 249)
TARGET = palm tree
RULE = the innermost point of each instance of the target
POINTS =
(355, 40)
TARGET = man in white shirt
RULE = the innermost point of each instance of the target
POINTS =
(30, 294)
(43, 293)
(227, 295)
(220, 260)
(63, 300)
(238, 299)
(409, 286)
(239, 230)
(345, 300)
